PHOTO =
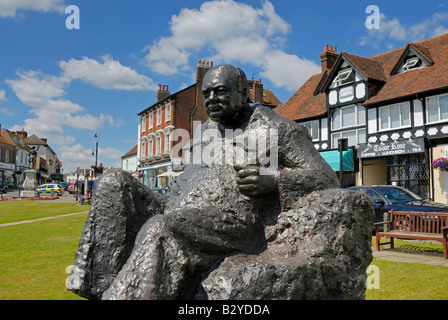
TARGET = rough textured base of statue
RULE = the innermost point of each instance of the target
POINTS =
(118, 210)
(318, 249)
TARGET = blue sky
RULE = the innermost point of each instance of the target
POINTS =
(68, 84)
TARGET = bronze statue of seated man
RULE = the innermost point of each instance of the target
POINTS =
(237, 224)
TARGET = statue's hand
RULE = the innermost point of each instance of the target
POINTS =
(251, 183)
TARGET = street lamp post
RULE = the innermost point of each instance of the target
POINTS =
(96, 151)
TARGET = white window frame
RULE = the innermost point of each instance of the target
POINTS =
(411, 63)
(159, 116)
(158, 144)
(358, 109)
(389, 127)
(6, 155)
(168, 112)
(334, 143)
(150, 147)
(144, 123)
(167, 143)
(143, 149)
(343, 75)
(309, 126)
(439, 119)
(150, 119)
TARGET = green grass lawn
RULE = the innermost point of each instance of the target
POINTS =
(20, 210)
(34, 258)
(409, 281)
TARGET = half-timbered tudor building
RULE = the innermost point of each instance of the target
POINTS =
(392, 108)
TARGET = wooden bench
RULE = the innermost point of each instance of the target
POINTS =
(414, 225)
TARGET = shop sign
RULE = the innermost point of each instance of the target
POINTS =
(8, 166)
(396, 148)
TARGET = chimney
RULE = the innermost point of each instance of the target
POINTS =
(22, 135)
(256, 91)
(201, 70)
(328, 57)
(162, 93)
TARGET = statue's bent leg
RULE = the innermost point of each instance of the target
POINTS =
(174, 252)
(120, 206)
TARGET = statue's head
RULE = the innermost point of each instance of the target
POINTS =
(226, 93)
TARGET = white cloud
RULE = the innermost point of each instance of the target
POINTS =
(8, 111)
(107, 75)
(9, 8)
(232, 32)
(394, 30)
(76, 155)
(287, 70)
(45, 95)
(2, 96)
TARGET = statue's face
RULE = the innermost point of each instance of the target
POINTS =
(222, 101)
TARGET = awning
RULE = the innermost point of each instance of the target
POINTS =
(333, 159)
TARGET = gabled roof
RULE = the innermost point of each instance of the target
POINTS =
(34, 140)
(422, 52)
(418, 81)
(370, 69)
(270, 99)
(131, 152)
(310, 100)
(304, 104)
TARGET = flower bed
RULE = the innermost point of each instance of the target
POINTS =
(24, 198)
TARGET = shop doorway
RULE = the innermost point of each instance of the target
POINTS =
(409, 171)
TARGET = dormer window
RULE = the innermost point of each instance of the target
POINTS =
(411, 63)
(344, 77)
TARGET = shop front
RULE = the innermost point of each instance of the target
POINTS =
(7, 174)
(334, 157)
(404, 163)
(151, 178)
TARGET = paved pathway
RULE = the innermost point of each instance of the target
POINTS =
(40, 219)
(394, 255)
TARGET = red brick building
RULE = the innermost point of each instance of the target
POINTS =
(179, 110)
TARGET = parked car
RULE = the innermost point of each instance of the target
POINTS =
(63, 185)
(45, 189)
(386, 197)
(162, 191)
(3, 188)
(71, 188)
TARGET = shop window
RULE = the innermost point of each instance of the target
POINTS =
(313, 128)
(395, 116)
(437, 108)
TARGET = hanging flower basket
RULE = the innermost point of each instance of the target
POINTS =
(141, 174)
(440, 164)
